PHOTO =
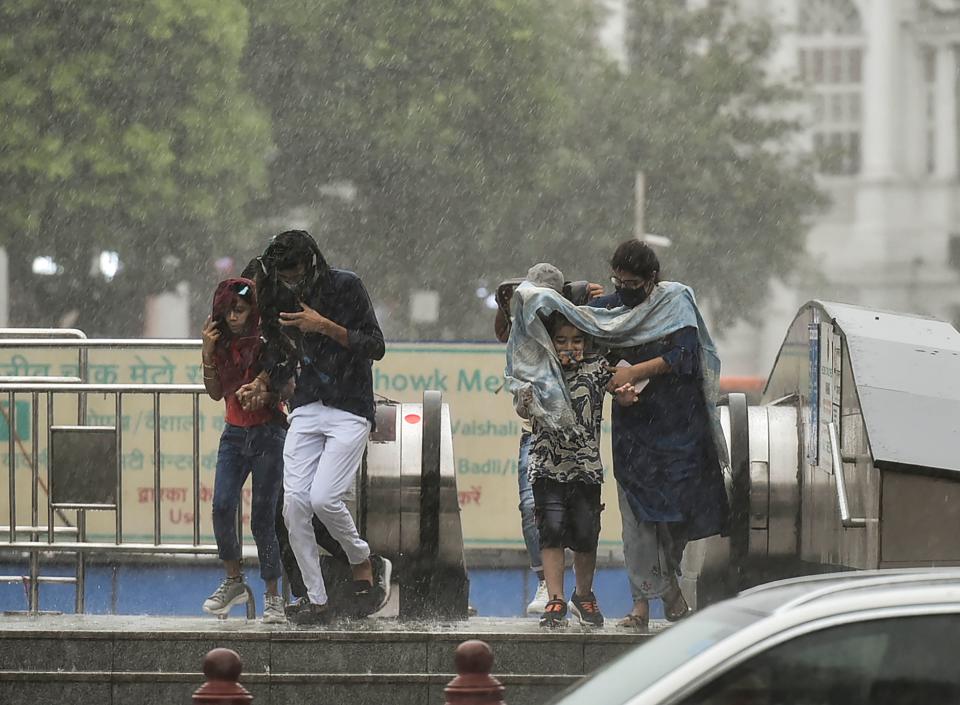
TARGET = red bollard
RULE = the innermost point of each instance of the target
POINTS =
(222, 668)
(474, 685)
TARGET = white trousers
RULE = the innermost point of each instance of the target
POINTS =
(321, 456)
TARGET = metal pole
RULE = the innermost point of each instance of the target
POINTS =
(639, 195)
(35, 503)
(430, 476)
(196, 469)
(82, 399)
(35, 465)
(50, 512)
(848, 521)
(156, 468)
(34, 581)
(12, 462)
(81, 559)
(118, 411)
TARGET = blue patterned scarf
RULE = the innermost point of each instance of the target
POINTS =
(532, 360)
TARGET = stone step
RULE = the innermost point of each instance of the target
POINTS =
(144, 688)
(147, 660)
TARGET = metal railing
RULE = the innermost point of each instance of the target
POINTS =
(47, 538)
(32, 334)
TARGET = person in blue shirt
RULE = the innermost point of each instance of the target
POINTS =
(669, 478)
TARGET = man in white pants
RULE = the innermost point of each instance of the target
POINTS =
(328, 338)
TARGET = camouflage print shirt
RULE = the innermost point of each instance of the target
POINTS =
(567, 459)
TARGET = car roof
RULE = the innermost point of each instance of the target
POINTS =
(786, 595)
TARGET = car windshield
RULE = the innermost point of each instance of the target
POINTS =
(638, 669)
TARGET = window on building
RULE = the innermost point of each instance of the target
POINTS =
(953, 250)
(930, 107)
(830, 63)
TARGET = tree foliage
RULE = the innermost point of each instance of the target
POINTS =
(480, 142)
(126, 127)
(437, 114)
(429, 145)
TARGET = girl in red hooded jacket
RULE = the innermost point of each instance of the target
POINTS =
(252, 442)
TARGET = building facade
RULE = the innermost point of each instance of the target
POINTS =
(880, 78)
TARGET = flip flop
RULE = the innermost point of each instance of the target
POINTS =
(636, 622)
(675, 607)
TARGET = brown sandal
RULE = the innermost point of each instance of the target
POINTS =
(636, 622)
(675, 607)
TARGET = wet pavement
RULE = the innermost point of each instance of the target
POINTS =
(146, 624)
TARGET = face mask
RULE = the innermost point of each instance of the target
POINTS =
(298, 289)
(632, 297)
(294, 288)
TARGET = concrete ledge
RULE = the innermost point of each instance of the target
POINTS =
(157, 660)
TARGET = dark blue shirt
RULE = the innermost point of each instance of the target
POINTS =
(663, 451)
(340, 377)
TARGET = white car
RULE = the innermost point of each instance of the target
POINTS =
(857, 638)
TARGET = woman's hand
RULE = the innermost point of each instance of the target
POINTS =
(622, 376)
(252, 395)
(626, 395)
(210, 335)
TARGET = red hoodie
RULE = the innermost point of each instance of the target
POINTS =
(237, 357)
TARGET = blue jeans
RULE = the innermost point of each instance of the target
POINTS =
(258, 449)
(528, 521)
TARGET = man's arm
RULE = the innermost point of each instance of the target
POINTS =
(366, 339)
(678, 359)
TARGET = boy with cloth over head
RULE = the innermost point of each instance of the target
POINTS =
(566, 474)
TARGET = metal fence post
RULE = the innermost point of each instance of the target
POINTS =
(222, 667)
(474, 685)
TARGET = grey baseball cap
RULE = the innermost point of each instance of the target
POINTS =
(546, 275)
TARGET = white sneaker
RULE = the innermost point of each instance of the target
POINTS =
(539, 603)
(382, 572)
(273, 612)
(232, 592)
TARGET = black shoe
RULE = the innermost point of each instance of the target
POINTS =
(370, 598)
(586, 610)
(555, 614)
(295, 606)
(305, 612)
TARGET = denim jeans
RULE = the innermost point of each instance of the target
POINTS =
(257, 450)
(528, 521)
